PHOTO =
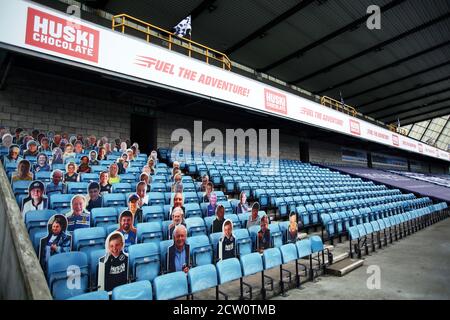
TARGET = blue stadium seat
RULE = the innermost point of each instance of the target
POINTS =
(98, 169)
(165, 228)
(163, 247)
(328, 225)
(189, 187)
(235, 219)
(243, 217)
(95, 295)
(303, 215)
(281, 204)
(36, 220)
(192, 210)
(276, 235)
(77, 187)
(114, 200)
(122, 187)
(88, 239)
(262, 197)
(202, 277)
(134, 169)
(201, 250)
(43, 176)
(20, 187)
(153, 213)
(170, 286)
(141, 290)
(103, 217)
(144, 261)
(289, 252)
(251, 264)
(60, 202)
(93, 261)
(128, 177)
(149, 232)
(214, 240)
(228, 270)
(158, 178)
(243, 241)
(316, 244)
(272, 258)
(89, 177)
(209, 222)
(67, 274)
(221, 196)
(195, 226)
(158, 187)
(190, 197)
(227, 206)
(156, 198)
(304, 248)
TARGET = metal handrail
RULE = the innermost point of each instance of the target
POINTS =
(122, 21)
(395, 128)
(334, 104)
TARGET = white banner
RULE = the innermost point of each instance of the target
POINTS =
(44, 30)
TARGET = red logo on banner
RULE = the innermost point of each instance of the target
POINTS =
(275, 101)
(355, 127)
(60, 35)
(420, 148)
(395, 140)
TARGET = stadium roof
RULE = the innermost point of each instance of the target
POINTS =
(324, 46)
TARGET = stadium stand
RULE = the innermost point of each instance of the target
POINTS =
(357, 207)
(366, 214)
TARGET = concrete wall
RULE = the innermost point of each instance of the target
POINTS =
(320, 151)
(20, 274)
(32, 100)
(167, 123)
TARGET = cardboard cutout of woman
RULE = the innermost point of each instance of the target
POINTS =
(242, 206)
(23, 172)
(57, 240)
(113, 267)
(227, 243)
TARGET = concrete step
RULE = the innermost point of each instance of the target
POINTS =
(344, 266)
(340, 257)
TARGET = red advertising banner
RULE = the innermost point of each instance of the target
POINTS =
(355, 128)
(275, 101)
(52, 33)
(395, 140)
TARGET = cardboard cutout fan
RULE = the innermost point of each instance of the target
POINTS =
(181, 248)
(127, 229)
(227, 243)
(292, 230)
(113, 267)
(56, 241)
(36, 200)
